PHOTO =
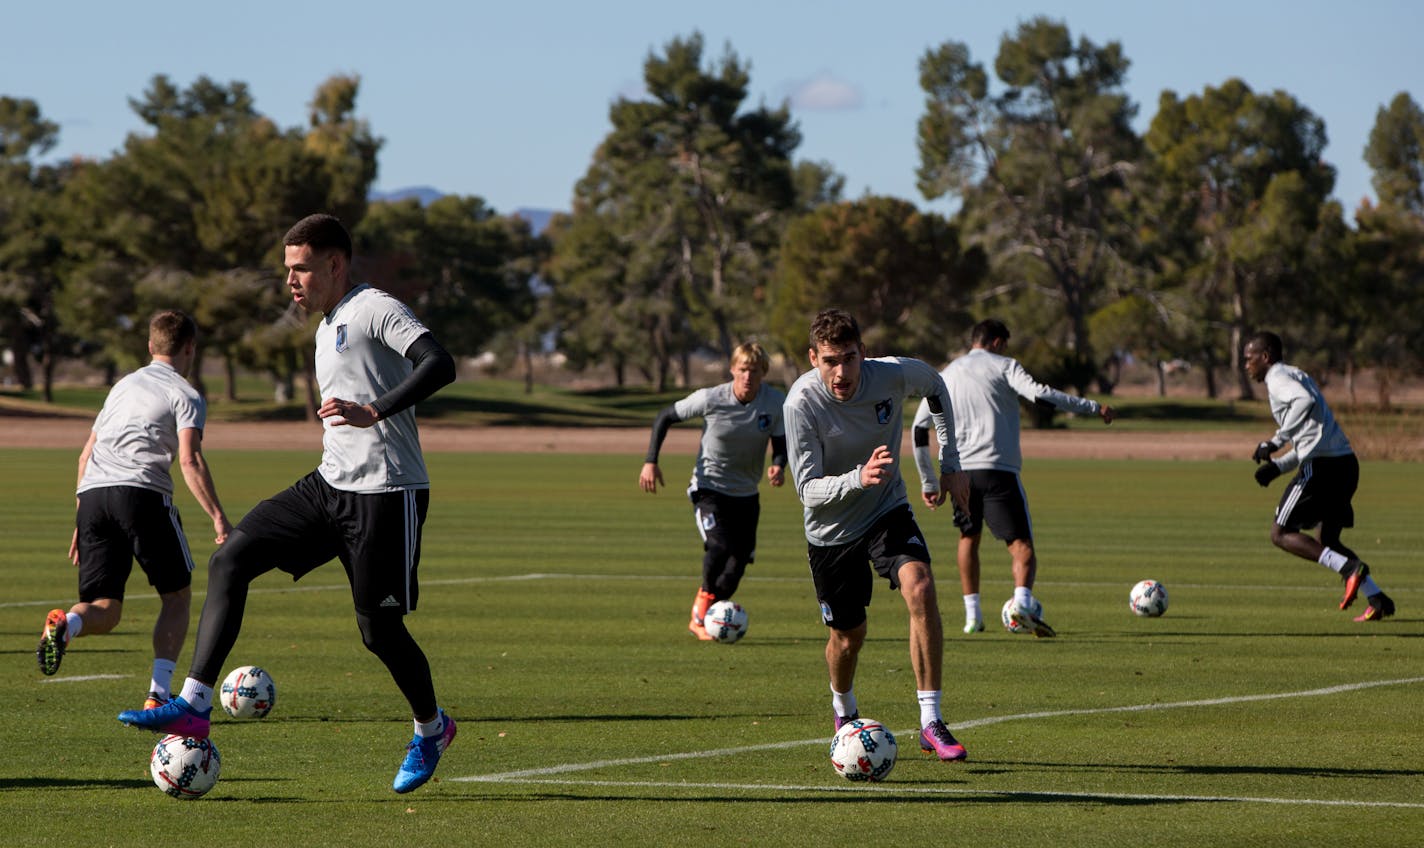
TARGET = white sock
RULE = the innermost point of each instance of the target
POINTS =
(1023, 596)
(199, 695)
(1332, 560)
(844, 702)
(929, 706)
(1369, 589)
(434, 727)
(162, 680)
(971, 609)
(73, 626)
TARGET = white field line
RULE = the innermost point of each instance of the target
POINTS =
(680, 578)
(900, 791)
(85, 678)
(524, 774)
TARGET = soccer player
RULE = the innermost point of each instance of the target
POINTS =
(125, 505)
(844, 423)
(1327, 473)
(739, 418)
(365, 504)
(984, 389)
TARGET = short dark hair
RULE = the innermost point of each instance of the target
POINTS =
(1269, 342)
(169, 331)
(834, 327)
(320, 232)
(988, 331)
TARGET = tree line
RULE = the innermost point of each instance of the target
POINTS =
(696, 226)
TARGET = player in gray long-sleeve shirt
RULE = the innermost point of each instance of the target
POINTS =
(1327, 473)
(844, 420)
(739, 419)
(984, 388)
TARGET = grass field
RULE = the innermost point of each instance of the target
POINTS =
(554, 600)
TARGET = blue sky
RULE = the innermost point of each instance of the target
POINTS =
(507, 100)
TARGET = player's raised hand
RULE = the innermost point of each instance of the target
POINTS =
(878, 468)
(650, 477)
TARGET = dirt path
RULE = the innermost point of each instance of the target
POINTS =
(24, 431)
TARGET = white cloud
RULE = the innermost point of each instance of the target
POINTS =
(825, 93)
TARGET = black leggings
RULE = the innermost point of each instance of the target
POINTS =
(233, 567)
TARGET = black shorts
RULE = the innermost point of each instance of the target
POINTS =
(1320, 491)
(844, 584)
(727, 522)
(118, 524)
(996, 498)
(376, 537)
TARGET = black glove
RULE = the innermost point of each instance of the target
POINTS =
(1264, 451)
(1267, 472)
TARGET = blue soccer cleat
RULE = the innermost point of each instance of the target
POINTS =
(174, 718)
(421, 757)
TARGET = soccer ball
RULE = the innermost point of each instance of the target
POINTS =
(725, 621)
(248, 692)
(1148, 598)
(863, 750)
(184, 767)
(1006, 615)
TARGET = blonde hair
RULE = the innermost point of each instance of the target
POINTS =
(752, 353)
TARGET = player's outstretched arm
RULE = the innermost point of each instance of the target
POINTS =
(200, 480)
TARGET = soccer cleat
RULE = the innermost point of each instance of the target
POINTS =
(1355, 576)
(700, 604)
(154, 701)
(841, 720)
(174, 718)
(935, 738)
(421, 757)
(696, 629)
(54, 638)
(974, 625)
(1028, 621)
(1380, 607)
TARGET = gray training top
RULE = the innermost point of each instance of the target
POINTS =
(732, 452)
(360, 355)
(1304, 418)
(828, 441)
(985, 388)
(136, 433)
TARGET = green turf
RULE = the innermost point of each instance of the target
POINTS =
(553, 605)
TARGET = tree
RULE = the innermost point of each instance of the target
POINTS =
(900, 271)
(693, 193)
(1396, 154)
(1040, 167)
(201, 197)
(1242, 175)
(29, 245)
(463, 268)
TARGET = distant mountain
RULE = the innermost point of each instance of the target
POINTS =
(538, 218)
(424, 194)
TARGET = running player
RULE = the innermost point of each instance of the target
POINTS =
(739, 418)
(984, 388)
(1327, 473)
(125, 505)
(364, 505)
(844, 425)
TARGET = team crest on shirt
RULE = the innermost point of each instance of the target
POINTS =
(763, 422)
(341, 344)
(883, 410)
